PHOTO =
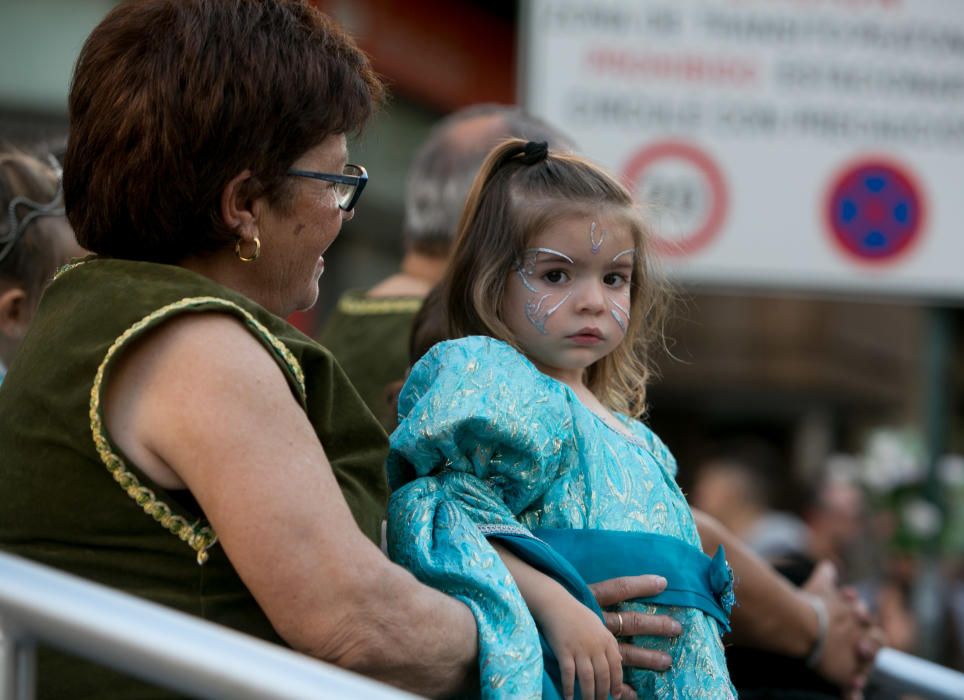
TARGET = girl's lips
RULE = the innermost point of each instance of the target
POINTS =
(589, 331)
(586, 337)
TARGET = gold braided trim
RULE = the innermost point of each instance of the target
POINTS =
(199, 537)
(368, 306)
(67, 267)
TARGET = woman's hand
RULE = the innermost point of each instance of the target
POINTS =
(628, 624)
(584, 648)
(852, 638)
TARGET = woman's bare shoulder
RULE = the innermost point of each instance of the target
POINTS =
(193, 369)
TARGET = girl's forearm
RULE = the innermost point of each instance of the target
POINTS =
(540, 592)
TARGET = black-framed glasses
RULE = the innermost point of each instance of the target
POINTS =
(348, 185)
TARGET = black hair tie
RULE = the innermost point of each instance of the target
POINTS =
(534, 152)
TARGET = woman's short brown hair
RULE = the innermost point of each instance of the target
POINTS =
(512, 199)
(171, 99)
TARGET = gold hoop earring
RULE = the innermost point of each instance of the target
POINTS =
(254, 255)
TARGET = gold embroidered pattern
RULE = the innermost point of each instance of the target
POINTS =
(67, 267)
(363, 306)
(198, 536)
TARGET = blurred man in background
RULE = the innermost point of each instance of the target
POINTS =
(737, 486)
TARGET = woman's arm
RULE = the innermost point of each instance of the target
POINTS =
(767, 604)
(583, 646)
(204, 405)
(774, 615)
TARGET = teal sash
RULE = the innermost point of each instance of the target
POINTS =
(693, 579)
(576, 558)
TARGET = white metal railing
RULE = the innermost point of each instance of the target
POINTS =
(186, 654)
(897, 672)
(165, 647)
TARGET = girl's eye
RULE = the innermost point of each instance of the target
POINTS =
(615, 280)
(555, 277)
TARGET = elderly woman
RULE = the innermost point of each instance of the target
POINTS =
(175, 438)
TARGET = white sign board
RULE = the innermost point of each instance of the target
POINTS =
(806, 144)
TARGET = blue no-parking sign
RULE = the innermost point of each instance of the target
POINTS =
(875, 211)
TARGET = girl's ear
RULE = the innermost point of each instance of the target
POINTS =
(237, 208)
(15, 313)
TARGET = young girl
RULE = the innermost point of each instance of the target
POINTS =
(519, 474)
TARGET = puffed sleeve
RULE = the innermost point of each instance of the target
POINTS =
(477, 406)
(481, 435)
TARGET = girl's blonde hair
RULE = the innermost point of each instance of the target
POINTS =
(521, 189)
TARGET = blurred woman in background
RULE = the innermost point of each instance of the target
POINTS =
(35, 239)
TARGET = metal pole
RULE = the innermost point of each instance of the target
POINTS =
(18, 664)
(157, 644)
(928, 594)
(897, 672)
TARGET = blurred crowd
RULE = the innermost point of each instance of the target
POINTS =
(875, 515)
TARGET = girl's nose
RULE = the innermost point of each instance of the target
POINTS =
(591, 298)
(347, 215)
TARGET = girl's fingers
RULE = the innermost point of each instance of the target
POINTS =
(601, 672)
(567, 673)
(587, 678)
(628, 693)
(615, 671)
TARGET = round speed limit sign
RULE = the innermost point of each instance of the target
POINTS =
(683, 191)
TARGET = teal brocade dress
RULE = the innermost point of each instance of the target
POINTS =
(489, 447)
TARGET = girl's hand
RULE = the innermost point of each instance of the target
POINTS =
(584, 648)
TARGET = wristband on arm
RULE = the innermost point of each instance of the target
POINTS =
(823, 624)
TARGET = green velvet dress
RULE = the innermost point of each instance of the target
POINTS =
(369, 338)
(74, 501)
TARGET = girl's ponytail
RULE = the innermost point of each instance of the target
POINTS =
(534, 152)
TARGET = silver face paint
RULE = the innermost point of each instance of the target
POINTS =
(525, 272)
(595, 245)
(620, 321)
(538, 316)
(620, 313)
(549, 251)
(525, 266)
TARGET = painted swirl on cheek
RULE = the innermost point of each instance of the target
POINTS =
(619, 312)
(538, 315)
